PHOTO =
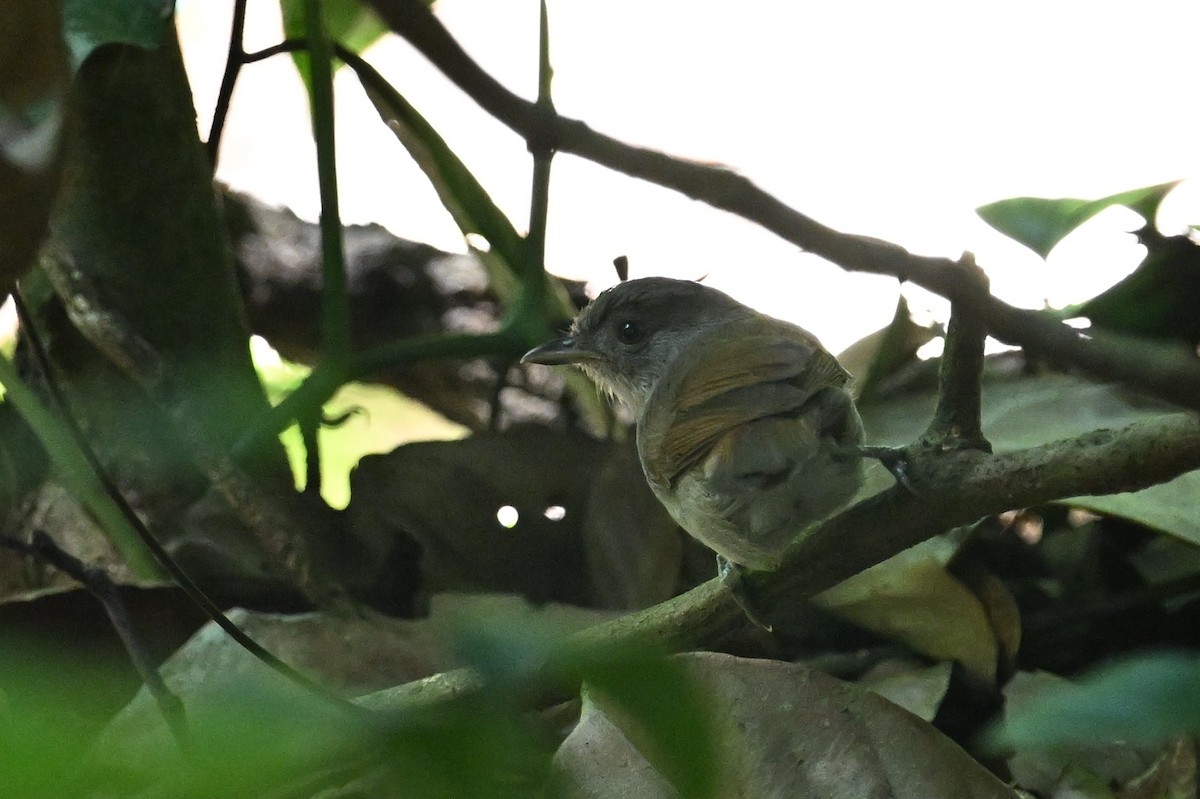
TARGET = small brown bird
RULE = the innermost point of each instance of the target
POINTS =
(746, 428)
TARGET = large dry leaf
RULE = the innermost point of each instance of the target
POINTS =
(913, 599)
(782, 731)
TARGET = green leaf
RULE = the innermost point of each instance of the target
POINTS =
(874, 358)
(88, 24)
(912, 598)
(1145, 700)
(350, 23)
(1040, 224)
(468, 202)
(1158, 299)
(461, 193)
(475, 213)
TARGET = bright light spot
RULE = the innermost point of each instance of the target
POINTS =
(508, 517)
(8, 320)
(555, 513)
(1079, 323)
(1027, 525)
(264, 355)
(932, 348)
(1029, 528)
(477, 242)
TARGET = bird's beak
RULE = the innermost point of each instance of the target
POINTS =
(565, 350)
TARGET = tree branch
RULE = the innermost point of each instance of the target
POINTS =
(1169, 372)
(959, 487)
(956, 421)
(234, 60)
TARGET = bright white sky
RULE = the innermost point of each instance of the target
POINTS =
(893, 120)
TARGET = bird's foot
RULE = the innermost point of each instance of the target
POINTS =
(895, 460)
(730, 575)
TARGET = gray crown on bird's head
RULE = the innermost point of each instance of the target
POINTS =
(638, 327)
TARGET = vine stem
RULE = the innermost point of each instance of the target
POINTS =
(335, 305)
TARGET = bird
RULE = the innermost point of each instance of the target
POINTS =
(747, 431)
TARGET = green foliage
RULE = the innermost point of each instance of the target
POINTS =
(464, 197)
(88, 24)
(467, 201)
(1158, 300)
(52, 705)
(880, 354)
(350, 23)
(250, 741)
(1041, 223)
(487, 747)
(476, 214)
(378, 418)
(1143, 700)
(479, 748)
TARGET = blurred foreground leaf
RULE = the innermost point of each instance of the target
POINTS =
(1146, 700)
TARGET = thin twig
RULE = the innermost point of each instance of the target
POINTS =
(310, 431)
(541, 146)
(956, 421)
(532, 297)
(335, 303)
(286, 46)
(233, 65)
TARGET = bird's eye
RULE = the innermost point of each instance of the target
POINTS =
(629, 332)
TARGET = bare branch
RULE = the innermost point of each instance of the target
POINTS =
(960, 487)
(1169, 372)
(956, 421)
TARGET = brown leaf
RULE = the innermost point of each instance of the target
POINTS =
(913, 599)
(782, 731)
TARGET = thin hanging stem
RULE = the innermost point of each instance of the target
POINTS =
(233, 65)
(542, 146)
(335, 305)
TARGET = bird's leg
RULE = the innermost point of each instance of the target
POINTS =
(895, 460)
(730, 575)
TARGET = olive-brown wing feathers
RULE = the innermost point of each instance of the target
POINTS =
(745, 371)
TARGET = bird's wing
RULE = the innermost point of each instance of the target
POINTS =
(750, 356)
(748, 371)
